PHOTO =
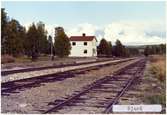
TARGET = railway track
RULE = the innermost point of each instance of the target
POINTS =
(100, 96)
(9, 87)
(7, 72)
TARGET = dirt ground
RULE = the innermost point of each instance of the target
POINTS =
(37, 99)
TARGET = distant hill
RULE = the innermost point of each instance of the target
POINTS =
(141, 46)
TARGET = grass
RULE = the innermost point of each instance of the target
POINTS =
(156, 74)
(158, 67)
(21, 59)
(156, 99)
(7, 59)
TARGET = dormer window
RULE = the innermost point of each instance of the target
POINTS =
(85, 43)
(73, 43)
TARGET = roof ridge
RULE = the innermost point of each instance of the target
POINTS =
(82, 38)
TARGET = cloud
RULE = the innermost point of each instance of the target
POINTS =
(27, 24)
(87, 28)
(128, 32)
(131, 33)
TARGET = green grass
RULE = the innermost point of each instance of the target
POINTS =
(156, 99)
(155, 74)
(22, 59)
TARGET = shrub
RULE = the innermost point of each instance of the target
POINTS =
(156, 58)
(7, 59)
(158, 69)
(156, 99)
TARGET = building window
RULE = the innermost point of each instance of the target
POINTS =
(85, 51)
(85, 43)
(73, 43)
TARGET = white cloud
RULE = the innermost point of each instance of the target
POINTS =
(79, 29)
(27, 24)
(131, 33)
(128, 32)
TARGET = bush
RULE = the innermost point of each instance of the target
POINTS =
(156, 58)
(153, 59)
(155, 91)
(156, 99)
(158, 68)
(158, 72)
(7, 59)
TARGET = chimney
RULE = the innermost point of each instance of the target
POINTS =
(83, 34)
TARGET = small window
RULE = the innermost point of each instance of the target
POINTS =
(85, 43)
(85, 51)
(73, 43)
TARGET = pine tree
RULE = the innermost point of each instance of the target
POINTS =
(14, 40)
(42, 38)
(162, 48)
(62, 44)
(4, 22)
(13, 34)
(133, 51)
(32, 42)
(104, 48)
(118, 48)
(147, 51)
(110, 48)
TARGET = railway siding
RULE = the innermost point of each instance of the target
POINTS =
(31, 74)
(37, 99)
(96, 96)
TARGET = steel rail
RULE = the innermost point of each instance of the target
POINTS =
(128, 84)
(93, 85)
(42, 78)
(7, 72)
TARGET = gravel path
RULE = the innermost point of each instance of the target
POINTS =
(36, 100)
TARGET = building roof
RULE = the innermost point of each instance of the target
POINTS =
(82, 38)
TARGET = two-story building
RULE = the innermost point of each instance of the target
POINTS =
(83, 46)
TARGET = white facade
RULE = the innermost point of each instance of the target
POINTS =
(83, 48)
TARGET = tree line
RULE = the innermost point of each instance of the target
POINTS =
(155, 49)
(33, 42)
(17, 41)
(105, 48)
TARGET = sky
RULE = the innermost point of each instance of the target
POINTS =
(134, 23)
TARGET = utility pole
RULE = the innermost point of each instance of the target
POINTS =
(51, 47)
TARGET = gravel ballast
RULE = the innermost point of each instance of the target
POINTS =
(37, 99)
(31, 74)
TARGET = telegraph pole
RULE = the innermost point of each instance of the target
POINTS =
(51, 47)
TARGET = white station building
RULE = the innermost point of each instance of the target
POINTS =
(83, 46)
